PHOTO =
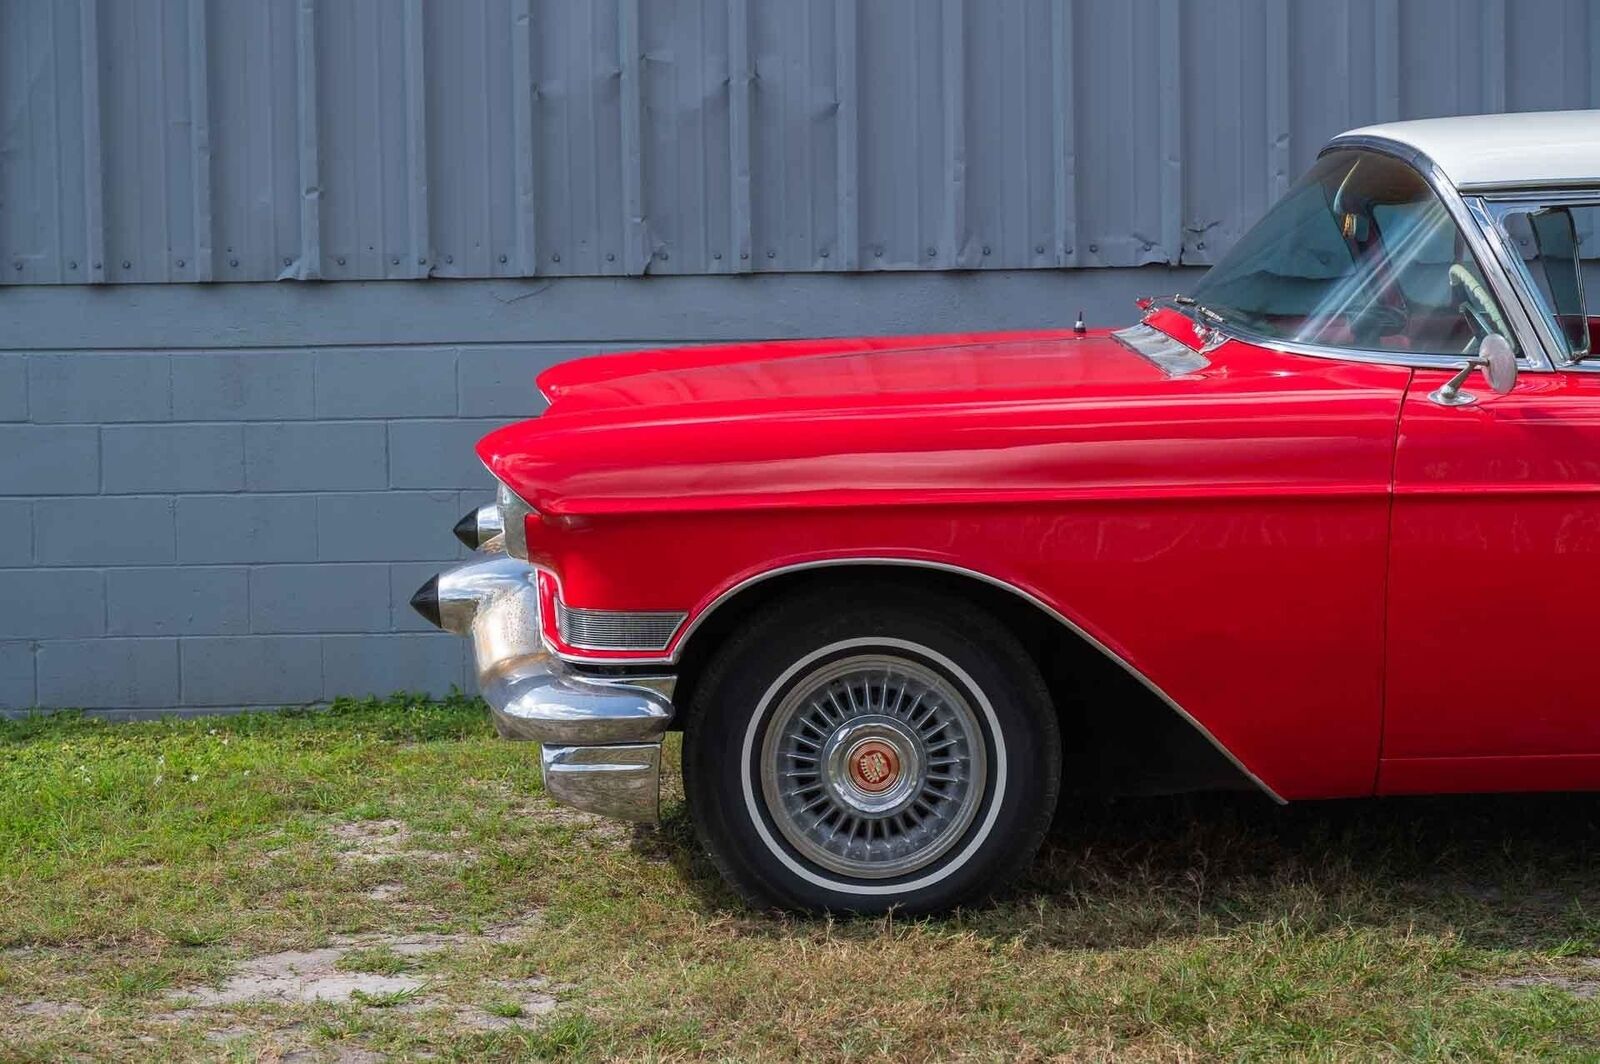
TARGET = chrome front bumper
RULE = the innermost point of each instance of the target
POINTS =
(600, 736)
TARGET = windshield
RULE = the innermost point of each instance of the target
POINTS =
(1359, 254)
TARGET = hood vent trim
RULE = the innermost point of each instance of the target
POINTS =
(1156, 347)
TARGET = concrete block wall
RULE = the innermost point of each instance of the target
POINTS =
(211, 528)
(214, 497)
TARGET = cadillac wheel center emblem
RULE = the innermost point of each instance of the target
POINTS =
(874, 766)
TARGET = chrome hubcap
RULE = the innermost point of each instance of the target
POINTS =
(873, 765)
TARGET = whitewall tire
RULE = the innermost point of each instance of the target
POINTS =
(893, 751)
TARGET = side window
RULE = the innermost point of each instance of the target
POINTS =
(1360, 254)
(1555, 248)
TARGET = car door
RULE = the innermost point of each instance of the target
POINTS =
(1494, 581)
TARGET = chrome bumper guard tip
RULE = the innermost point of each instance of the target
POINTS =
(623, 782)
(601, 735)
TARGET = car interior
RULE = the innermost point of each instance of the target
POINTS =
(1360, 254)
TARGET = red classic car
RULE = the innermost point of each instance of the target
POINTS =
(1328, 526)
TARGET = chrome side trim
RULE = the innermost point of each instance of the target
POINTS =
(614, 781)
(587, 629)
(1121, 662)
(1170, 356)
(513, 515)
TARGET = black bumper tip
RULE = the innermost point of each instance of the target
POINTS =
(426, 601)
(466, 530)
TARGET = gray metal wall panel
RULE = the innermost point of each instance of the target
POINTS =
(251, 72)
(255, 140)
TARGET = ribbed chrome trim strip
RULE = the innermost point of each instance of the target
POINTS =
(588, 629)
(1170, 356)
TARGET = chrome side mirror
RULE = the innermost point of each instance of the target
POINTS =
(1499, 365)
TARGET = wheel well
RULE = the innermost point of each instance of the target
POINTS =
(1118, 736)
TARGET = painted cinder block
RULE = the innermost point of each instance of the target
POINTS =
(386, 382)
(361, 665)
(221, 529)
(404, 579)
(13, 388)
(108, 673)
(242, 386)
(498, 381)
(178, 600)
(104, 530)
(390, 526)
(49, 459)
(99, 387)
(16, 532)
(52, 603)
(315, 456)
(271, 670)
(438, 454)
(319, 598)
(172, 458)
(16, 675)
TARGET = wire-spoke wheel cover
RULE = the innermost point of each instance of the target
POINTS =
(873, 765)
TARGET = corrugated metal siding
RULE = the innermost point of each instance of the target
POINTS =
(251, 140)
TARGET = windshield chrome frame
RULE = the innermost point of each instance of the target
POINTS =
(1534, 354)
(1491, 211)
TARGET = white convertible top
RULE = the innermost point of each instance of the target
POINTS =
(1538, 149)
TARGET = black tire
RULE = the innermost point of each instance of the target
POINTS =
(793, 643)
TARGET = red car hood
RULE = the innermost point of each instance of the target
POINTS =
(840, 372)
(976, 418)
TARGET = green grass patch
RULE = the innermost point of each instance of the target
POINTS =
(378, 960)
(143, 866)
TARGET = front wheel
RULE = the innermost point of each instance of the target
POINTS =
(861, 752)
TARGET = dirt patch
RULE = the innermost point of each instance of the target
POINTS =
(50, 1010)
(1580, 984)
(506, 1004)
(531, 996)
(596, 830)
(341, 1055)
(297, 976)
(1581, 988)
(300, 976)
(386, 891)
(372, 841)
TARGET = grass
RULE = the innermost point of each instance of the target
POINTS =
(142, 865)
(378, 960)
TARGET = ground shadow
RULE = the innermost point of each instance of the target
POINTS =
(1503, 871)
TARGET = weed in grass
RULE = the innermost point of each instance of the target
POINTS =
(385, 999)
(194, 937)
(509, 1010)
(379, 960)
(137, 982)
(566, 1038)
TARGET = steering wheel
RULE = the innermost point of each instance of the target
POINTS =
(1478, 306)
